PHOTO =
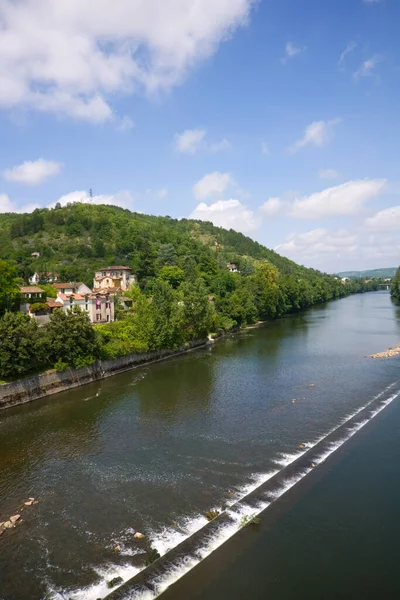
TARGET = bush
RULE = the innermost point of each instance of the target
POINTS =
(61, 366)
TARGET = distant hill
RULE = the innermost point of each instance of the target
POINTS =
(384, 273)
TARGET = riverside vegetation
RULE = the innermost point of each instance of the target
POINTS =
(185, 291)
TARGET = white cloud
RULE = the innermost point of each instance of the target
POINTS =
(212, 184)
(220, 146)
(291, 50)
(72, 59)
(122, 199)
(385, 220)
(368, 67)
(349, 48)
(7, 205)
(317, 133)
(32, 172)
(328, 174)
(271, 206)
(189, 141)
(230, 214)
(318, 242)
(342, 200)
(192, 140)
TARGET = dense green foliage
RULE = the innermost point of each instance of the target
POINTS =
(9, 291)
(185, 289)
(395, 291)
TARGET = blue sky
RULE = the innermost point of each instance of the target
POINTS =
(277, 118)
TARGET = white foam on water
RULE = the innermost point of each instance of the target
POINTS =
(100, 588)
(169, 537)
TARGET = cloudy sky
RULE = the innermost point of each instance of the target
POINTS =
(278, 118)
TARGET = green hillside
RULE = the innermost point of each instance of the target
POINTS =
(78, 239)
(371, 274)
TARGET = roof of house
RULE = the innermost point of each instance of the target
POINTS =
(31, 289)
(65, 285)
(108, 290)
(118, 268)
(51, 303)
(66, 297)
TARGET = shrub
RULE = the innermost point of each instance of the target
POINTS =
(211, 515)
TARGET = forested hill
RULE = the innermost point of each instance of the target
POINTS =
(77, 239)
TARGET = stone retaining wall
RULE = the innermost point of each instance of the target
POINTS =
(51, 382)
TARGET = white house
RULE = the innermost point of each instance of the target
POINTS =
(100, 307)
(231, 267)
(48, 277)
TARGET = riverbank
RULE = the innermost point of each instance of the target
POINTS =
(52, 382)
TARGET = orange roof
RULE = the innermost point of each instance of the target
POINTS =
(53, 304)
(65, 285)
(31, 289)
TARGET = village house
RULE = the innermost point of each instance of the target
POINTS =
(113, 279)
(31, 294)
(231, 267)
(43, 277)
(100, 307)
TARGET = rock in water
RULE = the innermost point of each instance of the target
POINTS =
(15, 518)
(29, 503)
(8, 525)
(139, 536)
(117, 549)
(113, 582)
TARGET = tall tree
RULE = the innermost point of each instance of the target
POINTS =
(9, 291)
(18, 344)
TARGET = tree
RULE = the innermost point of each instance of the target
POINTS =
(70, 338)
(18, 344)
(197, 310)
(167, 255)
(172, 275)
(167, 315)
(9, 292)
(395, 291)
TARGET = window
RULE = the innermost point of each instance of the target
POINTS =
(108, 318)
(98, 317)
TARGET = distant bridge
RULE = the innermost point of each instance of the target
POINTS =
(385, 286)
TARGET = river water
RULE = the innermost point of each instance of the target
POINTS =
(154, 449)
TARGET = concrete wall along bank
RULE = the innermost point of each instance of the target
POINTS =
(51, 382)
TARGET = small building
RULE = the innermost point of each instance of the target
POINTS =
(231, 267)
(31, 294)
(72, 288)
(113, 279)
(43, 277)
(100, 307)
(35, 254)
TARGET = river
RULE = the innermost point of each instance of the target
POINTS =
(154, 449)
